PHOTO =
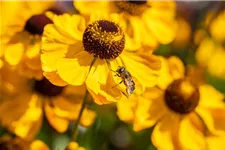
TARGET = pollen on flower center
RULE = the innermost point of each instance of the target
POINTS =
(46, 88)
(104, 39)
(181, 96)
(132, 7)
(36, 24)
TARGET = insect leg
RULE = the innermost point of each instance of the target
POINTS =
(117, 84)
(124, 94)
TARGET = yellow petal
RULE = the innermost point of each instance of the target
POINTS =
(176, 66)
(216, 65)
(59, 124)
(70, 108)
(88, 117)
(33, 63)
(126, 109)
(14, 53)
(36, 7)
(217, 27)
(134, 34)
(73, 146)
(149, 39)
(184, 27)
(33, 50)
(147, 111)
(88, 7)
(169, 6)
(25, 117)
(172, 69)
(205, 51)
(49, 59)
(103, 97)
(71, 26)
(160, 25)
(52, 35)
(143, 68)
(98, 73)
(216, 142)
(30, 68)
(54, 78)
(219, 119)
(55, 45)
(105, 93)
(165, 132)
(9, 16)
(75, 71)
(214, 119)
(210, 97)
(38, 145)
(165, 77)
(189, 136)
(67, 108)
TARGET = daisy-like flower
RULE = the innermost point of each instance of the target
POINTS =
(211, 51)
(9, 143)
(185, 115)
(148, 23)
(77, 52)
(22, 112)
(22, 24)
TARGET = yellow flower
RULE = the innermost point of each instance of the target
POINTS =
(22, 112)
(145, 21)
(184, 115)
(211, 52)
(77, 52)
(217, 27)
(136, 107)
(9, 143)
(74, 146)
(210, 55)
(22, 24)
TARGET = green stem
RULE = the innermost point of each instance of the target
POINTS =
(75, 128)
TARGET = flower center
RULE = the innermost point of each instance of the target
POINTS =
(36, 24)
(46, 88)
(132, 7)
(104, 39)
(138, 2)
(12, 144)
(181, 96)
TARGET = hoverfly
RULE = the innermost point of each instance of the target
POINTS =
(126, 79)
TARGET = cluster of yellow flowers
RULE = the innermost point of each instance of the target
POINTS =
(52, 63)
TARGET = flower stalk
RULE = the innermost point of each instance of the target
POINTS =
(75, 127)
